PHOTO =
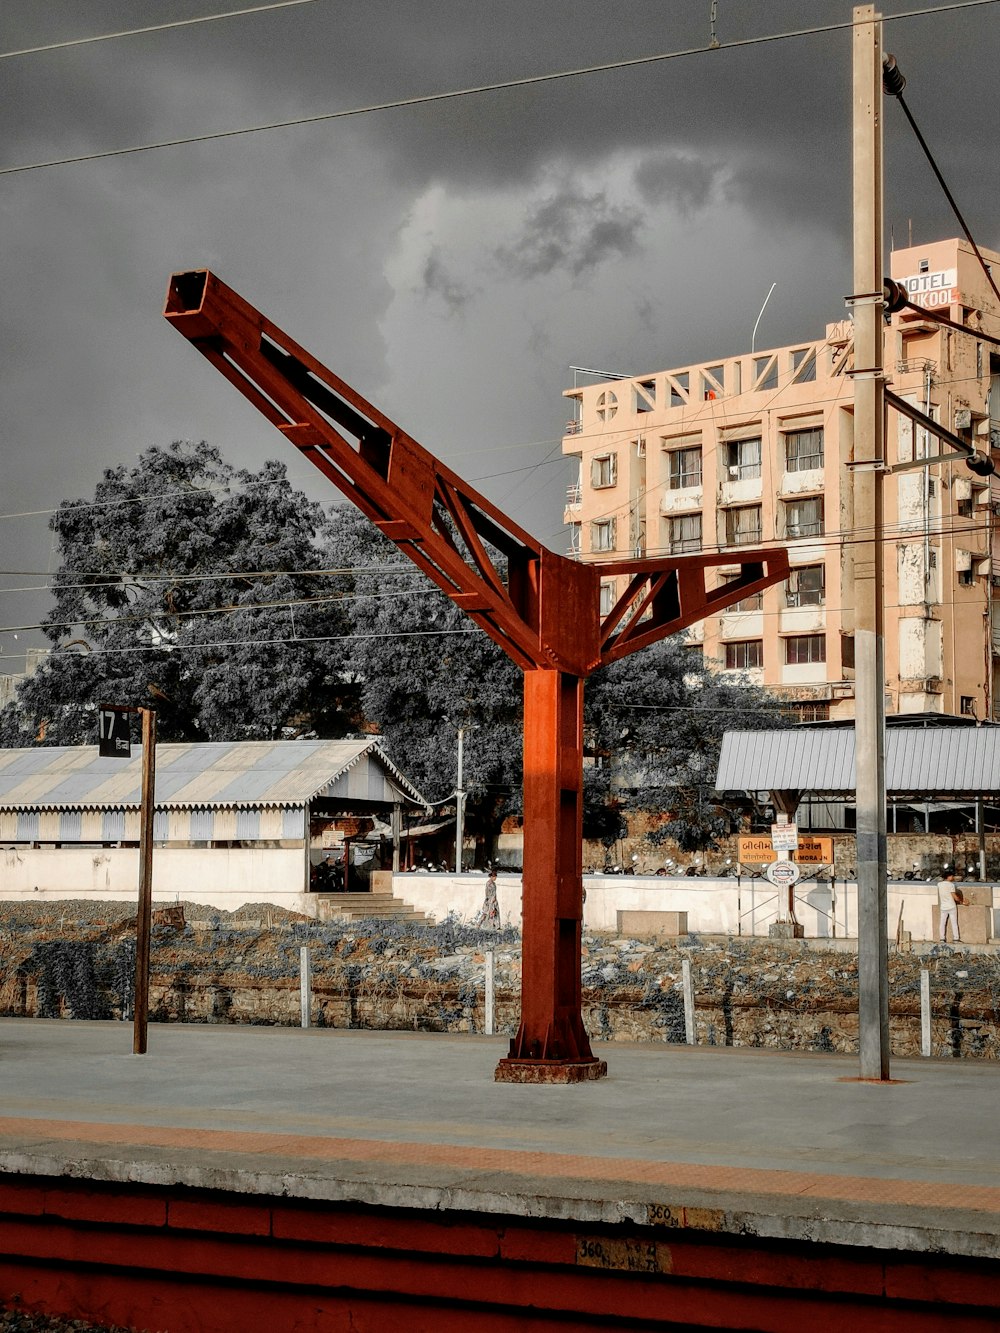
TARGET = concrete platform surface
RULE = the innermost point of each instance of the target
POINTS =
(772, 1144)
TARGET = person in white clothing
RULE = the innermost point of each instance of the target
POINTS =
(949, 896)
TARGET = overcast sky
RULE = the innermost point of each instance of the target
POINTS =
(451, 261)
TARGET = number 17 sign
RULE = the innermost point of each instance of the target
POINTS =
(113, 738)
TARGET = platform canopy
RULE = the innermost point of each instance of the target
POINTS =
(205, 775)
(927, 763)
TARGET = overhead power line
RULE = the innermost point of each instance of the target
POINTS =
(525, 81)
(151, 27)
(894, 83)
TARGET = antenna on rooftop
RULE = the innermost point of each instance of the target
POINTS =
(753, 336)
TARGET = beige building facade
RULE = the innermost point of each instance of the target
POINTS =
(753, 450)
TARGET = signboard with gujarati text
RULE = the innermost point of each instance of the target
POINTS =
(756, 849)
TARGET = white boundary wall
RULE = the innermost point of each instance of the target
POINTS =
(232, 877)
(226, 877)
(714, 906)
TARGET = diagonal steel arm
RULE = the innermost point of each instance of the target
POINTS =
(664, 596)
(448, 529)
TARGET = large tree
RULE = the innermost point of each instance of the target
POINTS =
(196, 588)
(426, 670)
(654, 722)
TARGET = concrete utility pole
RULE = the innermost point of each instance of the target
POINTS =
(867, 476)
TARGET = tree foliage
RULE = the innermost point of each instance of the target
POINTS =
(655, 722)
(187, 585)
(425, 671)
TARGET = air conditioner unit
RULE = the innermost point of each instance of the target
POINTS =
(963, 418)
(934, 685)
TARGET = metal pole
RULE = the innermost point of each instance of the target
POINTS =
(690, 1035)
(925, 1012)
(459, 807)
(305, 985)
(490, 1015)
(869, 459)
(140, 1018)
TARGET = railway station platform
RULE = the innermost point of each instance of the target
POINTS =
(238, 1178)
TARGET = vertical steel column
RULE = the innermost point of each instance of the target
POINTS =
(551, 1045)
(869, 460)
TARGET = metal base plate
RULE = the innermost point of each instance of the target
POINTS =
(550, 1071)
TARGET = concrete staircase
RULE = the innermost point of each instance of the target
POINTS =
(362, 906)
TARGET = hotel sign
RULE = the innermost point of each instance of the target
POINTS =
(933, 289)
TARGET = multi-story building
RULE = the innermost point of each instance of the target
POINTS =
(752, 450)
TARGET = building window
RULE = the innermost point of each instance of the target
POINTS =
(685, 534)
(685, 469)
(742, 458)
(603, 535)
(806, 586)
(964, 508)
(744, 654)
(804, 648)
(754, 602)
(607, 405)
(804, 518)
(609, 595)
(603, 471)
(966, 578)
(968, 706)
(803, 450)
(743, 526)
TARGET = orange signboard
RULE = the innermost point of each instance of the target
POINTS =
(757, 850)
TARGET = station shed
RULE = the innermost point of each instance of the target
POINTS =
(235, 822)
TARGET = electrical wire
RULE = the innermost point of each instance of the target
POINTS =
(152, 27)
(476, 90)
(231, 609)
(947, 193)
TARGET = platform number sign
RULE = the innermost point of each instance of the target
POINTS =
(113, 738)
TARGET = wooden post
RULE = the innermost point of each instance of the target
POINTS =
(140, 1019)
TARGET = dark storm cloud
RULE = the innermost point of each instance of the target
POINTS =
(621, 200)
(686, 183)
(574, 230)
(437, 281)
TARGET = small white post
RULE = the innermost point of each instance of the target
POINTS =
(490, 1015)
(925, 1012)
(689, 1033)
(305, 985)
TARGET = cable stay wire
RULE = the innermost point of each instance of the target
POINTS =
(476, 90)
(152, 27)
(894, 83)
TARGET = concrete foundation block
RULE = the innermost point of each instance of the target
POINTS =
(975, 924)
(786, 930)
(666, 924)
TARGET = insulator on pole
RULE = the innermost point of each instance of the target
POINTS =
(893, 80)
(981, 464)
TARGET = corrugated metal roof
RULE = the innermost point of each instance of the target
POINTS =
(935, 761)
(213, 774)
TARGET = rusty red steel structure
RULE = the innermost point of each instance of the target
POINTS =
(542, 609)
